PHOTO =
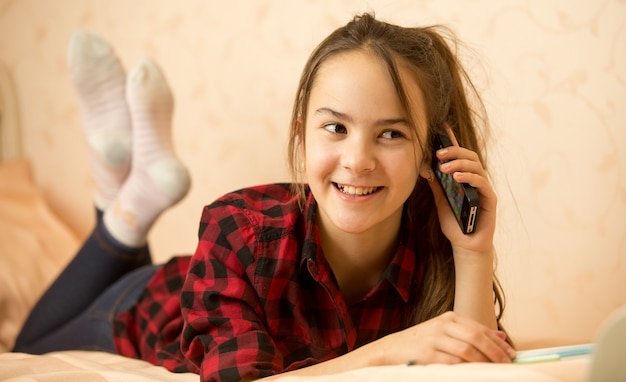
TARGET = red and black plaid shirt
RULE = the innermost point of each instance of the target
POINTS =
(258, 298)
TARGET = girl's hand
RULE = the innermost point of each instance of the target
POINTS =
(466, 168)
(448, 338)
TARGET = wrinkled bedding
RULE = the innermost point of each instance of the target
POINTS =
(96, 366)
(82, 366)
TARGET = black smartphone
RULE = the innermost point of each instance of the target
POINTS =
(462, 197)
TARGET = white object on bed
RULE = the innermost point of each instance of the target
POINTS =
(608, 359)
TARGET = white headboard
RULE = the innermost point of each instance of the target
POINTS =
(10, 143)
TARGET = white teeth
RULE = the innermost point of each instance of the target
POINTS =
(358, 191)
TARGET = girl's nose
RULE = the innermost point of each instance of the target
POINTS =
(358, 155)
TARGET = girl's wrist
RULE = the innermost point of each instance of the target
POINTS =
(472, 257)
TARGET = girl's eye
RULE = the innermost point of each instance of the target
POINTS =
(392, 134)
(336, 128)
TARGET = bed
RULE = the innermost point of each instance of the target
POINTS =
(30, 259)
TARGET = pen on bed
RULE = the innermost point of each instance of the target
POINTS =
(538, 358)
(555, 354)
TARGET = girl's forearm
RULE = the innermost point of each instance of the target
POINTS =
(365, 356)
(474, 296)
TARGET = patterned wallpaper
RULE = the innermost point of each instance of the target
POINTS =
(553, 74)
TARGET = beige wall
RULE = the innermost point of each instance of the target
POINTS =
(553, 74)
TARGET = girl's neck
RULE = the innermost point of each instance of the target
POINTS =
(358, 260)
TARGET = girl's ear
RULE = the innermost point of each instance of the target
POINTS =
(426, 172)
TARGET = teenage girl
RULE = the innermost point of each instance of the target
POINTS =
(358, 262)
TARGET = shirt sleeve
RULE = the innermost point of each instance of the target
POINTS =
(224, 332)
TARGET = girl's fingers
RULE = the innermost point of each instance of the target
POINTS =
(466, 168)
(463, 165)
(480, 182)
(479, 346)
(464, 351)
(452, 152)
(459, 159)
(489, 343)
(443, 357)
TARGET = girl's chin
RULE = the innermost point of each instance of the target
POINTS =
(350, 224)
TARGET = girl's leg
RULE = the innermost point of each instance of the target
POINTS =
(96, 320)
(157, 180)
(132, 191)
(99, 264)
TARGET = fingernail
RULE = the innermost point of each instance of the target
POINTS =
(442, 151)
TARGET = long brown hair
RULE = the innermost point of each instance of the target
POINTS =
(427, 53)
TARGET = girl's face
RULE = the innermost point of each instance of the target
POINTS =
(361, 154)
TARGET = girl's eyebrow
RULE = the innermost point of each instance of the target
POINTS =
(347, 118)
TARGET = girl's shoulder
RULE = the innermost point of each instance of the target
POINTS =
(258, 198)
(261, 195)
(272, 204)
(254, 222)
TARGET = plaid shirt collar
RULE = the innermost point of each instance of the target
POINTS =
(399, 273)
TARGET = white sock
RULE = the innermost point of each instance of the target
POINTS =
(99, 81)
(157, 179)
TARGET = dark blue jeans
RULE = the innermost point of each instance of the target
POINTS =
(76, 312)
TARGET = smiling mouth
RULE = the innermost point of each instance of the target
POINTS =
(356, 191)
